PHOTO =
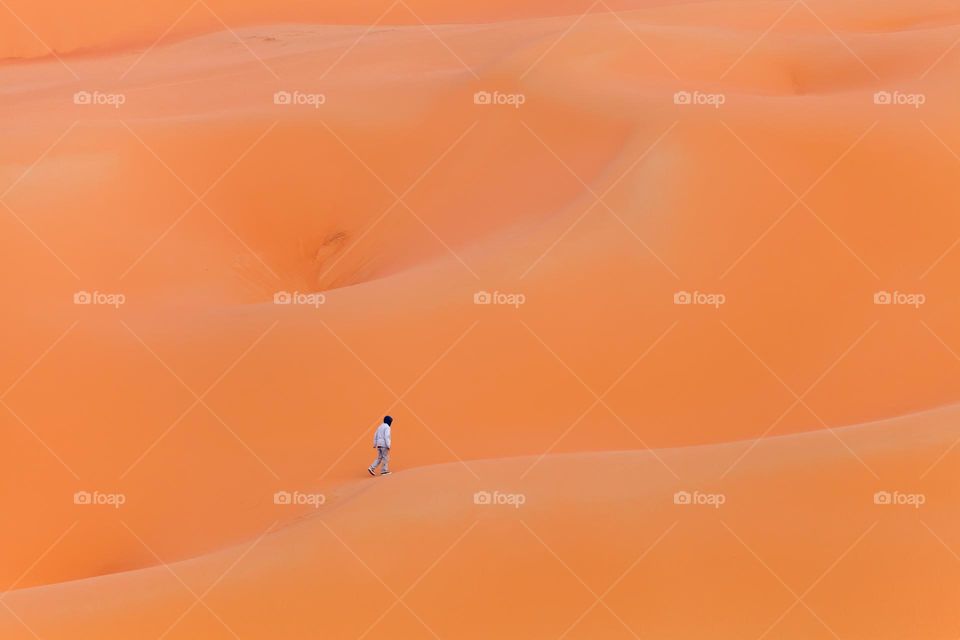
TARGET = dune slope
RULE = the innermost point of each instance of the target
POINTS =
(577, 545)
(484, 217)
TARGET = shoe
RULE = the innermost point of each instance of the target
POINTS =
(385, 473)
(370, 471)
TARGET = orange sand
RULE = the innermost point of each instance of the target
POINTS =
(199, 198)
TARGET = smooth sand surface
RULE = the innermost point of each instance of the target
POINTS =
(199, 198)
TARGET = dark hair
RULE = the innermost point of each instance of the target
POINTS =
(388, 419)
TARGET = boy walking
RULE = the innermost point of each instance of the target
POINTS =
(381, 442)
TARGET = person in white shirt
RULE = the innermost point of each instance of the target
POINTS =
(381, 442)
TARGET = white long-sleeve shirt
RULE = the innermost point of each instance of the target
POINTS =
(382, 436)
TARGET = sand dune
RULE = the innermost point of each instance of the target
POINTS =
(337, 572)
(189, 190)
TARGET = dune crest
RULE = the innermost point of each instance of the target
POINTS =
(534, 500)
(639, 242)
